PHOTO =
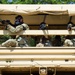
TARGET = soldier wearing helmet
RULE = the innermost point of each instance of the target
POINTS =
(18, 26)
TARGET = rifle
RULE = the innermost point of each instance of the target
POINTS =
(5, 22)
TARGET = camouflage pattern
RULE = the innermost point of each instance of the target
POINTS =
(17, 28)
(25, 26)
(68, 42)
(70, 26)
(39, 45)
(47, 43)
(22, 41)
(10, 43)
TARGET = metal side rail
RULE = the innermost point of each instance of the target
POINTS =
(38, 50)
(59, 57)
(39, 32)
(36, 53)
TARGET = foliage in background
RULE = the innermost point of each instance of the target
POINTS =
(37, 1)
(3, 38)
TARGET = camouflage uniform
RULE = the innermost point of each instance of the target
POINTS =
(22, 41)
(40, 45)
(71, 26)
(10, 43)
(68, 42)
(17, 28)
(47, 43)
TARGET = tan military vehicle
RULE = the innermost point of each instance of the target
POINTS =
(53, 60)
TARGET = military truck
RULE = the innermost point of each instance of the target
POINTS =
(53, 60)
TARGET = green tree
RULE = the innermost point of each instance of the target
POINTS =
(38, 2)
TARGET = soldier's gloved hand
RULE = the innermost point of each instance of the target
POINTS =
(3, 21)
(8, 21)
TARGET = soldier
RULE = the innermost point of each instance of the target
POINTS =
(10, 43)
(22, 41)
(40, 44)
(15, 42)
(18, 26)
(47, 43)
(70, 26)
(68, 41)
(43, 26)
